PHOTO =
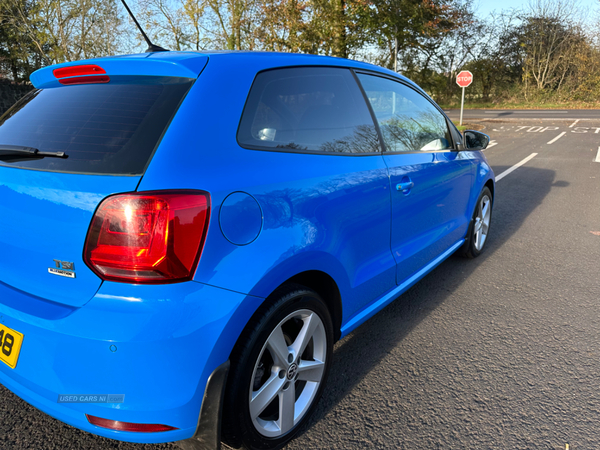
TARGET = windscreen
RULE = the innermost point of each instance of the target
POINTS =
(110, 128)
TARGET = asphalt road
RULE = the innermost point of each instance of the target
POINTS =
(593, 114)
(499, 352)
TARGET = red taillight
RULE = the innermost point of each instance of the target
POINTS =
(75, 71)
(85, 80)
(148, 237)
(128, 426)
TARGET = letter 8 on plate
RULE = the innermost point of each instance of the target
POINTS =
(10, 345)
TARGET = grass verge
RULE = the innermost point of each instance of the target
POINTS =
(461, 128)
(523, 105)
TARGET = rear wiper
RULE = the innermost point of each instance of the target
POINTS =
(19, 151)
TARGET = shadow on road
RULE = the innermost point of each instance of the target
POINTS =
(361, 351)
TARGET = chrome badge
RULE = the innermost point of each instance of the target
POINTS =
(63, 268)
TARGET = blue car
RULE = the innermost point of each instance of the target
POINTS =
(185, 235)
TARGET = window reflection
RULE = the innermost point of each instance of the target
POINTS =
(308, 109)
(408, 121)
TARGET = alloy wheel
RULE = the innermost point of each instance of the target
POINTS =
(288, 373)
(482, 222)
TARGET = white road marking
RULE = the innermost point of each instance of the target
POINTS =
(534, 129)
(491, 144)
(598, 156)
(515, 167)
(548, 128)
(543, 112)
(527, 112)
(573, 124)
(557, 137)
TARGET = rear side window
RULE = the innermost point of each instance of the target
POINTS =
(311, 109)
(408, 121)
(108, 128)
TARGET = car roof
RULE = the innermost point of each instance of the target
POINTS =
(189, 64)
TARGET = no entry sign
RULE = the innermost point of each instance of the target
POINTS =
(464, 78)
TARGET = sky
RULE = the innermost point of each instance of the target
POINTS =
(485, 7)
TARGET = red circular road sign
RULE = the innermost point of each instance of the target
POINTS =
(464, 78)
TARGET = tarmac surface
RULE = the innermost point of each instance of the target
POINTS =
(501, 351)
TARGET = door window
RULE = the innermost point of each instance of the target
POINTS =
(408, 121)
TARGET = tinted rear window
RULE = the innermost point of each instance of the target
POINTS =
(108, 128)
(312, 109)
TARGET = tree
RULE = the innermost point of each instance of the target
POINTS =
(23, 47)
(40, 32)
(194, 13)
(233, 23)
(496, 59)
(166, 23)
(548, 37)
(400, 28)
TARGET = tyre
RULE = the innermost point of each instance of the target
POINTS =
(480, 225)
(279, 369)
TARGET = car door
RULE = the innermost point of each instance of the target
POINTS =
(318, 174)
(430, 182)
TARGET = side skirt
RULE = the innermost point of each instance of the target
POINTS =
(388, 298)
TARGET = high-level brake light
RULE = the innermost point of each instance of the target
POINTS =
(83, 74)
(75, 71)
(148, 237)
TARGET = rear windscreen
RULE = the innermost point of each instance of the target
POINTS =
(110, 128)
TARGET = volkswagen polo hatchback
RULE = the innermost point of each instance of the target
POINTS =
(184, 236)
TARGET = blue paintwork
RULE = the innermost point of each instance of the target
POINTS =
(274, 215)
(154, 329)
(376, 306)
(431, 216)
(45, 216)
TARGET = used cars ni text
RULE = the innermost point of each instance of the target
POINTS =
(185, 235)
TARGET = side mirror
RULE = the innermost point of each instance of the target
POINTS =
(474, 140)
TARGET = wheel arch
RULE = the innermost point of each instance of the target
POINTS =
(315, 280)
(319, 271)
(490, 185)
(324, 285)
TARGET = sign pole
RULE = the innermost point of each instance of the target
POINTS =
(462, 104)
(463, 79)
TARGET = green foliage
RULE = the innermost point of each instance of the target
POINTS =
(35, 33)
(539, 54)
(22, 44)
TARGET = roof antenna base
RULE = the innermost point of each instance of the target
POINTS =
(155, 48)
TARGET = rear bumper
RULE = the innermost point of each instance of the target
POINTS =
(155, 345)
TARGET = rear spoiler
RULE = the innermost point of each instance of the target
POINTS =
(172, 64)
